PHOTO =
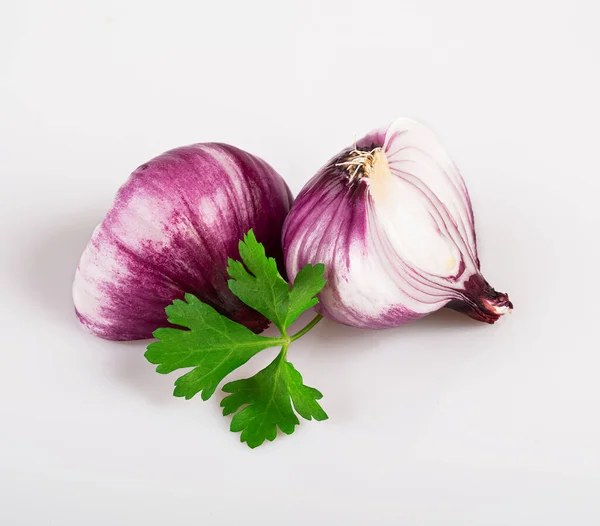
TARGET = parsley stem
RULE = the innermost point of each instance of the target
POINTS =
(304, 330)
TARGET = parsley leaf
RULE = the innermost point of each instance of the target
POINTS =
(214, 346)
(303, 296)
(268, 405)
(262, 288)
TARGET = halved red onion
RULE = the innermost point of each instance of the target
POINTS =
(391, 219)
(170, 231)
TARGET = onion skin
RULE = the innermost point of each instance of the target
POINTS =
(377, 277)
(170, 230)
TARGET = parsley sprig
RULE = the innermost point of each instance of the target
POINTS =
(214, 346)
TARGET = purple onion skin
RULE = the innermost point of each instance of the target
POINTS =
(337, 219)
(170, 231)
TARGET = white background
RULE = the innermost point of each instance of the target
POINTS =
(442, 422)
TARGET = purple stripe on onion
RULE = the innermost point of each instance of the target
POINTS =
(392, 221)
(170, 231)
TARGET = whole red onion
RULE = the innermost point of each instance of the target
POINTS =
(170, 230)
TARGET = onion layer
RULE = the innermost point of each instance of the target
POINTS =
(170, 231)
(392, 221)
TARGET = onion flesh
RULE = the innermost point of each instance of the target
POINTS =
(391, 219)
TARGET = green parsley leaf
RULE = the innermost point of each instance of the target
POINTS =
(262, 287)
(268, 398)
(303, 296)
(214, 346)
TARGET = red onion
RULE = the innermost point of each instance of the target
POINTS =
(170, 231)
(391, 219)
